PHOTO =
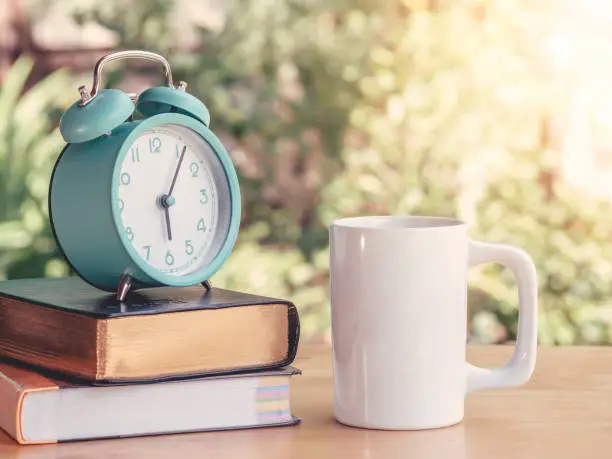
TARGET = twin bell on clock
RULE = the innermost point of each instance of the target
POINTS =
(147, 202)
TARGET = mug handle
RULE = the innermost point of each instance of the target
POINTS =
(520, 367)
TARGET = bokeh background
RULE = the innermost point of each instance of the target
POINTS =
(496, 112)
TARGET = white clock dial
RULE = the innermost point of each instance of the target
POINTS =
(172, 228)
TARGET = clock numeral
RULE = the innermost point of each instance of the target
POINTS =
(148, 249)
(169, 258)
(204, 198)
(188, 247)
(178, 150)
(125, 178)
(130, 233)
(155, 145)
(135, 155)
(121, 205)
(201, 225)
(194, 169)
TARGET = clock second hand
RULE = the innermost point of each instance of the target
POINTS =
(167, 200)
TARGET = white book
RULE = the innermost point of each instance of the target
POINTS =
(37, 409)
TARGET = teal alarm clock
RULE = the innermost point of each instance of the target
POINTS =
(147, 202)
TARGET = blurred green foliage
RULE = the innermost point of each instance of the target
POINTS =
(29, 145)
(341, 108)
(134, 23)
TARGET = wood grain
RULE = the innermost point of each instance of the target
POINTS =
(564, 412)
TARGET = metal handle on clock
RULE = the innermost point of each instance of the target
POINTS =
(87, 97)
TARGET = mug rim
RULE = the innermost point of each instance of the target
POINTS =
(381, 223)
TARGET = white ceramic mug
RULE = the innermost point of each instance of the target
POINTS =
(399, 295)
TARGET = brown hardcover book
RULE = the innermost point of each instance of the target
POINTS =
(38, 409)
(68, 327)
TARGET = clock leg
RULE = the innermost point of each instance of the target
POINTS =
(125, 284)
(207, 285)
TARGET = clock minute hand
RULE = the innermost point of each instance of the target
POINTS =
(167, 200)
(176, 172)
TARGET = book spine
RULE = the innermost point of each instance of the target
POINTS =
(11, 400)
(294, 334)
(12, 395)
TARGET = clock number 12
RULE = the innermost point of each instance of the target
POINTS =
(155, 145)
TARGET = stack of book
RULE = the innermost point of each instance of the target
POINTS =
(77, 364)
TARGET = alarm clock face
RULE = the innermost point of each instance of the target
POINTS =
(173, 200)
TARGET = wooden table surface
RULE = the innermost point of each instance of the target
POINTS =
(564, 412)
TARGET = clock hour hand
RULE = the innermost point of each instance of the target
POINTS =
(168, 229)
(167, 200)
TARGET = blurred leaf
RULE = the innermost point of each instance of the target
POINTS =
(29, 145)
